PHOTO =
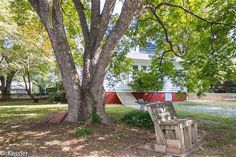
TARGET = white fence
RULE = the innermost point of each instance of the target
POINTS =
(213, 96)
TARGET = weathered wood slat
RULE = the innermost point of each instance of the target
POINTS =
(159, 134)
(154, 147)
(194, 133)
(54, 118)
(45, 120)
(190, 135)
(173, 144)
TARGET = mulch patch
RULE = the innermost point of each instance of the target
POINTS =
(59, 140)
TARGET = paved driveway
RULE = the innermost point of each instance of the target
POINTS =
(217, 110)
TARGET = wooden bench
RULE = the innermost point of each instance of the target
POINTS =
(173, 135)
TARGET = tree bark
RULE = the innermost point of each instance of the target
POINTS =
(94, 102)
(28, 86)
(100, 104)
(6, 85)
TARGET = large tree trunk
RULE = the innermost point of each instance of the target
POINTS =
(94, 103)
(68, 70)
(99, 65)
(86, 99)
(69, 75)
(53, 23)
(6, 85)
(100, 105)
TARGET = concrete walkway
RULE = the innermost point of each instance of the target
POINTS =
(209, 109)
(216, 110)
(127, 99)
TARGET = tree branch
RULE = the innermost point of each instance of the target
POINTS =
(42, 8)
(83, 22)
(98, 35)
(130, 7)
(9, 78)
(104, 21)
(35, 5)
(185, 10)
(26, 85)
(95, 16)
(158, 19)
(162, 57)
(153, 9)
(189, 12)
(99, 24)
(1, 59)
(28, 76)
(160, 67)
(3, 82)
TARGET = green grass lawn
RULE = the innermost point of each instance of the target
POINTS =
(221, 129)
(116, 112)
(225, 104)
(21, 111)
(17, 111)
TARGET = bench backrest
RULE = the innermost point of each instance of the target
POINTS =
(161, 112)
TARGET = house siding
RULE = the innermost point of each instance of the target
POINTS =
(112, 98)
(177, 98)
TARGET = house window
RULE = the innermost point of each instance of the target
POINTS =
(144, 67)
(135, 67)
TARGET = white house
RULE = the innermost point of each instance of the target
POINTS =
(141, 58)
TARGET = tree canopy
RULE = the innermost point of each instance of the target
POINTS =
(25, 49)
(197, 32)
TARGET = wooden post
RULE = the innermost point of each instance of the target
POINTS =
(159, 134)
(190, 135)
(181, 137)
(194, 133)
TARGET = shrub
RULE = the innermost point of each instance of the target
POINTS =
(82, 132)
(138, 118)
(181, 95)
